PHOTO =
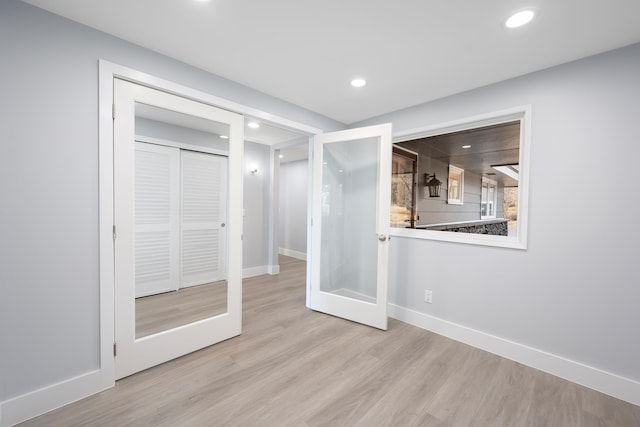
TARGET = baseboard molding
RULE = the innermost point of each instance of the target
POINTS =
(588, 376)
(293, 254)
(255, 271)
(273, 269)
(38, 402)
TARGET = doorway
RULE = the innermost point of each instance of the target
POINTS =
(293, 199)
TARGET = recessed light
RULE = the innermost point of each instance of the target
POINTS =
(466, 146)
(519, 19)
(253, 125)
(281, 156)
(224, 136)
(358, 82)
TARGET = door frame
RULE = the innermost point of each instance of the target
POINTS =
(107, 71)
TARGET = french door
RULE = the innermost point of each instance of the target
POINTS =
(156, 328)
(350, 224)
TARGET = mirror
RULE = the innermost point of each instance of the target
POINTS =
(477, 172)
(180, 219)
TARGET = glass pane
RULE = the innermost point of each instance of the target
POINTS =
(490, 200)
(348, 259)
(483, 205)
(180, 219)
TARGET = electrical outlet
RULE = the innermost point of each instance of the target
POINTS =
(428, 296)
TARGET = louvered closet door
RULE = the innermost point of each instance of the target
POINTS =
(157, 187)
(204, 211)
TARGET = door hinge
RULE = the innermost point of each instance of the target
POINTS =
(115, 353)
(114, 232)
(113, 111)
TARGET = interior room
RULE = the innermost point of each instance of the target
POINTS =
(240, 213)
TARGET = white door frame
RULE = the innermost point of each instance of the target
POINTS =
(107, 72)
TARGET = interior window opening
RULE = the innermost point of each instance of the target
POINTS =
(481, 166)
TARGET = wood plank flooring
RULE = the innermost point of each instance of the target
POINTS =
(295, 367)
(161, 312)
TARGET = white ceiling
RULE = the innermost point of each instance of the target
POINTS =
(410, 51)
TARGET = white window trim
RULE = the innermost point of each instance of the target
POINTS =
(494, 183)
(460, 200)
(522, 113)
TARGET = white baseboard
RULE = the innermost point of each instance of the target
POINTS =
(255, 271)
(38, 402)
(273, 269)
(588, 376)
(293, 254)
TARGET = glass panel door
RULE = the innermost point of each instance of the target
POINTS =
(351, 203)
(178, 226)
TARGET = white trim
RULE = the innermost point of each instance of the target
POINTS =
(274, 203)
(181, 145)
(579, 373)
(496, 117)
(38, 402)
(293, 254)
(273, 269)
(455, 170)
(107, 260)
(309, 275)
(490, 183)
(256, 271)
(469, 238)
(154, 82)
(521, 113)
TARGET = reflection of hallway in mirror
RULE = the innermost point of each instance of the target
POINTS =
(161, 312)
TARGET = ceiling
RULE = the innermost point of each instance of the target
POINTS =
(488, 146)
(409, 51)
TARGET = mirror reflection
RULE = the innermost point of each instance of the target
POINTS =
(180, 219)
(464, 181)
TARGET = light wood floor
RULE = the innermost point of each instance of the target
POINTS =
(161, 312)
(295, 367)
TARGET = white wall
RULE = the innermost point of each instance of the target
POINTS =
(574, 293)
(255, 241)
(293, 208)
(49, 277)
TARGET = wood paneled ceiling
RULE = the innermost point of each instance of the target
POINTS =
(490, 146)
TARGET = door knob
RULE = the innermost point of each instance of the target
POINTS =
(223, 225)
(382, 237)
